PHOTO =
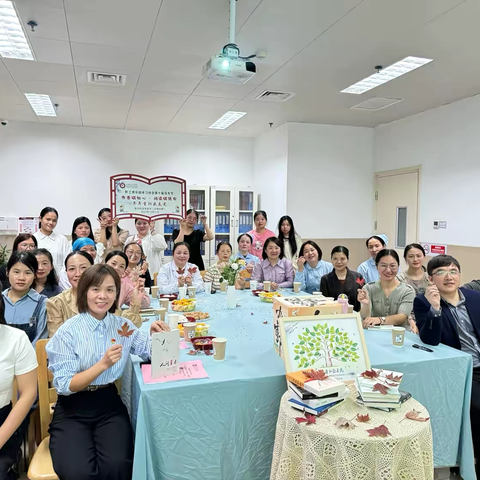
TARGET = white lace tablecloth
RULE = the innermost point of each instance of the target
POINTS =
(326, 452)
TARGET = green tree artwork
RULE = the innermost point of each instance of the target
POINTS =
(324, 344)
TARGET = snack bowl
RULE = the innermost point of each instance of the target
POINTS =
(257, 292)
(268, 296)
(184, 305)
(202, 343)
(170, 296)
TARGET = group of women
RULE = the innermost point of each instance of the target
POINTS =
(100, 271)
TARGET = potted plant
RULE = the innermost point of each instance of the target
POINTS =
(4, 255)
(230, 275)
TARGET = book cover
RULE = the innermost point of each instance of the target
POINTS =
(301, 392)
(314, 411)
(320, 402)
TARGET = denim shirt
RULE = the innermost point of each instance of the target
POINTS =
(310, 277)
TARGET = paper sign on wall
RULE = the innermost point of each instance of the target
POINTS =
(165, 353)
(28, 225)
(432, 250)
(135, 196)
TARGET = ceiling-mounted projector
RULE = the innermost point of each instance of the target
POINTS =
(229, 70)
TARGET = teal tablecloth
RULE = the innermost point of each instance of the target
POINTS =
(223, 427)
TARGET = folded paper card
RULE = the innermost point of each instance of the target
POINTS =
(187, 371)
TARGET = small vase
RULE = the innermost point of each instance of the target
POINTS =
(231, 296)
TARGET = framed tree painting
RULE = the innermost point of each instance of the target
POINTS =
(334, 343)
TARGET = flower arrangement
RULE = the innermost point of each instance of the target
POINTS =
(231, 270)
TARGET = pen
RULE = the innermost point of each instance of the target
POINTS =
(420, 347)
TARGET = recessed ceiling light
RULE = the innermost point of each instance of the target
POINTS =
(42, 105)
(385, 75)
(227, 119)
(13, 41)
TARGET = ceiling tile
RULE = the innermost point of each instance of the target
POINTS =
(49, 72)
(52, 51)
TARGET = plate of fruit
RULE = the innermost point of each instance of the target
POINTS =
(268, 296)
(184, 305)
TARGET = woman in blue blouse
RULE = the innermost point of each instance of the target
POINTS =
(25, 308)
(90, 433)
(368, 269)
(311, 267)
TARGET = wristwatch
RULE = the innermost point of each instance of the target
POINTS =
(382, 319)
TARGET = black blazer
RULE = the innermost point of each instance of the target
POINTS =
(444, 328)
(330, 286)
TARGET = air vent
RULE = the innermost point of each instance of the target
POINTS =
(376, 103)
(106, 78)
(275, 96)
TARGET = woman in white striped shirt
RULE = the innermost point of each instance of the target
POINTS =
(90, 433)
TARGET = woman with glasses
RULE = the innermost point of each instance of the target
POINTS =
(23, 242)
(193, 237)
(137, 260)
(386, 301)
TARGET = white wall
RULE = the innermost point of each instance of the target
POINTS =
(330, 180)
(446, 143)
(270, 173)
(69, 167)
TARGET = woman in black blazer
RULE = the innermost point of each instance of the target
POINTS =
(341, 279)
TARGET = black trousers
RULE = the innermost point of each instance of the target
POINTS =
(9, 453)
(91, 437)
(475, 416)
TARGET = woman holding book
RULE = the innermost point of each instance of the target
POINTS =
(387, 301)
(260, 233)
(311, 267)
(90, 433)
(342, 280)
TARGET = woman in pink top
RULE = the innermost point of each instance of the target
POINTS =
(260, 233)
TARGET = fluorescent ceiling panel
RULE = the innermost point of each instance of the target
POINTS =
(396, 70)
(42, 105)
(226, 120)
(13, 41)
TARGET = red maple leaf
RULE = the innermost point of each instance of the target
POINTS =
(414, 415)
(192, 270)
(378, 387)
(360, 281)
(265, 322)
(344, 423)
(208, 352)
(308, 419)
(125, 332)
(394, 378)
(392, 384)
(192, 352)
(370, 374)
(315, 375)
(181, 271)
(363, 418)
(380, 431)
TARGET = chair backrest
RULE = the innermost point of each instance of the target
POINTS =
(46, 393)
(155, 275)
(202, 273)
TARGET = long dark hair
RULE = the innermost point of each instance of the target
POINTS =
(387, 252)
(108, 233)
(52, 279)
(291, 236)
(277, 242)
(142, 253)
(413, 245)
(78, 221)
(314, 245)
(2, 311)
(21, 238)
(28, 259)
(44, 212)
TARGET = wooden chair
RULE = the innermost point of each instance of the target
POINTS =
(155, 275)
(41, 467)
(202, 273)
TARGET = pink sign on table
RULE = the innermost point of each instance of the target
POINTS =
(184, 345)
(187, 371)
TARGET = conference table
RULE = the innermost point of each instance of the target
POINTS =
(223, 427)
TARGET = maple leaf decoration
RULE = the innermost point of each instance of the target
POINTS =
(380, 431)
(192, 352)
(208, 352)
(125, 332)
(414, 415)
(370, 374)
(378, 387)
(344, 423)
(192, 270)
(394, 378)
(308, 419)
(181, 271)
(315, 375)
(392, 384)
(360, 281)
(363, 418)
(265, 322)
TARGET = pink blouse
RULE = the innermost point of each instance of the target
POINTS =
(258, 241)
(126, 293)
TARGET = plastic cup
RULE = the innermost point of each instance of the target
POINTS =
(164, 303)
(154, 292)
(219, 346)
(172, 320)
(147, 290)
(253, 284)
(189, 331)
(296, 287)
(182, 293)
(208, 287)
(398, 336)
(160, 313)
(223, 287)
(191, 292)
(267, 285)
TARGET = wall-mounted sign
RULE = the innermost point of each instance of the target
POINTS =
(135, 196)
(28, 225)
(432, 250)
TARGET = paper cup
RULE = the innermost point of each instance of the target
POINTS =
(191, 292)
(160, 313)
(223, 287)
(208, 287)
(164, 303)
(182, 293)
(253, 284)
(189, 331)
(147, 290)
(172, 320)
(154, 292)
(296, 287)
(398, 336)
(219, 346)
(267, 284)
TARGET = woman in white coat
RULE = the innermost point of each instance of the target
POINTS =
(153, 244)
(178, 272)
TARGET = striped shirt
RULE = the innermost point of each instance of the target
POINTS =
(82, 341)
(399, 301)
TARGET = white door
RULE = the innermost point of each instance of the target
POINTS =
(397, 208)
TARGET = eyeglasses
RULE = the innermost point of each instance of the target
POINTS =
(26, 246)
(386, 267)
(132, 254)
(443, 273)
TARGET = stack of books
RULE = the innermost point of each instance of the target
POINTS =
(380, 389)
(312, 395)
